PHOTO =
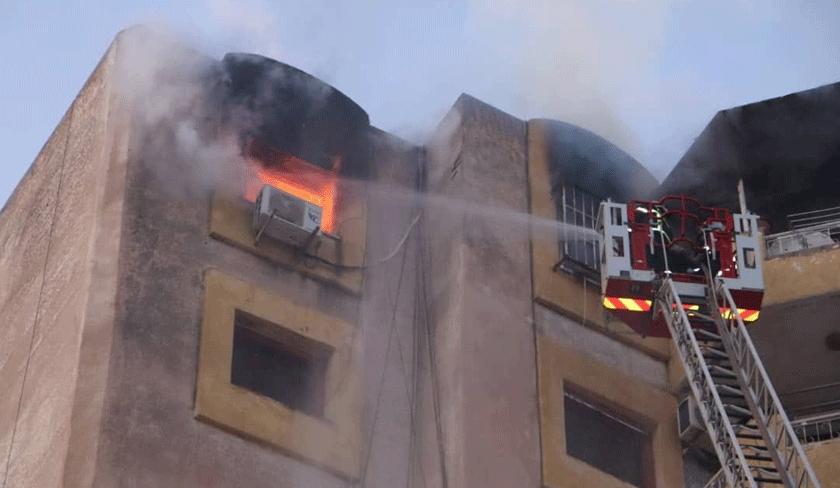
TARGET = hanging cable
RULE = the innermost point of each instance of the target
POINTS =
(391, 329)
(433, 371)
(385, 259)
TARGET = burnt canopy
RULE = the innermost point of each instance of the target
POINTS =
(281, 108)
(786, 149)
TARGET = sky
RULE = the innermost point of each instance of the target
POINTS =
(647, 75)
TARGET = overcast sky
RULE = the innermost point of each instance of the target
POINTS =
(647, 75)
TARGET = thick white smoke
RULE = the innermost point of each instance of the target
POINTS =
(566, 60)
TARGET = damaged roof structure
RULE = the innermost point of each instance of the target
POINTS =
(786, 150)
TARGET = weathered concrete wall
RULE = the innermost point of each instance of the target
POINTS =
(388, 321)
(561, 291)
(795, 277)
(481, 299)
(627, 393)
(791, 340)
(150, 436)
(823, 457)
(53, 229)
(24, 237)
(603, 348)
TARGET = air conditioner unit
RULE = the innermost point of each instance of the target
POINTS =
(285, 217)
(689, 422)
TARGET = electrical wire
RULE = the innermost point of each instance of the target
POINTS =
(433, 371)
(385, 259)
(42, 286)
(391, 329)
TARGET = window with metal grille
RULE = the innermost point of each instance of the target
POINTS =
(577, 208)
(605, 440)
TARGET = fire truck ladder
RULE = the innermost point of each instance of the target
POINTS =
(749, 430)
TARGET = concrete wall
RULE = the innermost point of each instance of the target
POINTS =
(481, 299)
(823, 457)
(57, 261)
(149, 434)
(800, 310)
(389, 319)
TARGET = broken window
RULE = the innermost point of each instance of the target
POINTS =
(279, 364)
(606, 441)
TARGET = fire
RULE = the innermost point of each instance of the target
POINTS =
(299, 178)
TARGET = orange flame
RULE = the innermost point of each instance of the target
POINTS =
(299, 178)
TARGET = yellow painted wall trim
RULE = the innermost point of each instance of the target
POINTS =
(230, 222)
(823, 457)
(650, 407)
(560, 291)
(332, 442)
(791, 278)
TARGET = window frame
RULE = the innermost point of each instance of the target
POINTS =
(251, 415)
(588, 400)
(582, 207)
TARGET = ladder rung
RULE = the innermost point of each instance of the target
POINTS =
(707, 334)
(737, 411)
(756, 457)
(729, 390)
(745, 432)
(721, 371)
(754, 448)
(712, 353)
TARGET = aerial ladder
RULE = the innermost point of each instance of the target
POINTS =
(673, 267)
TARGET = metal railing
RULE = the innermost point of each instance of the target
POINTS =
(804, 220)
(818, 428)
(717, 481)
(734, 465)
(825, 234)
(808, 230)
(782, 442)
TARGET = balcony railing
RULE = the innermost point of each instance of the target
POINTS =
(809, 230)
(818, 428)
(804, 220)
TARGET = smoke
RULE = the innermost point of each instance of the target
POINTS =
(407, 63)
(572, 60)
(253, 23)
(165, 85)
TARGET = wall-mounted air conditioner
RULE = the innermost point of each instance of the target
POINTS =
(285, 217)
(689, 421)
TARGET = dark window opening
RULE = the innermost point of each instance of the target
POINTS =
(615, 216)
(746, 226)
(279, 364)
(607, 442)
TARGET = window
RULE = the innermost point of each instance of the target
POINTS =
(606, 441)
(280, 372)
(749, 257)
(577, 208)
(618, 246)
(615, 216)
(288, 367)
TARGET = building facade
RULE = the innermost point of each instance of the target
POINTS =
(446, 331)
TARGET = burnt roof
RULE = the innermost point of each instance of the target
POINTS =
(786, 149)
(588, 161)
(292, 111)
